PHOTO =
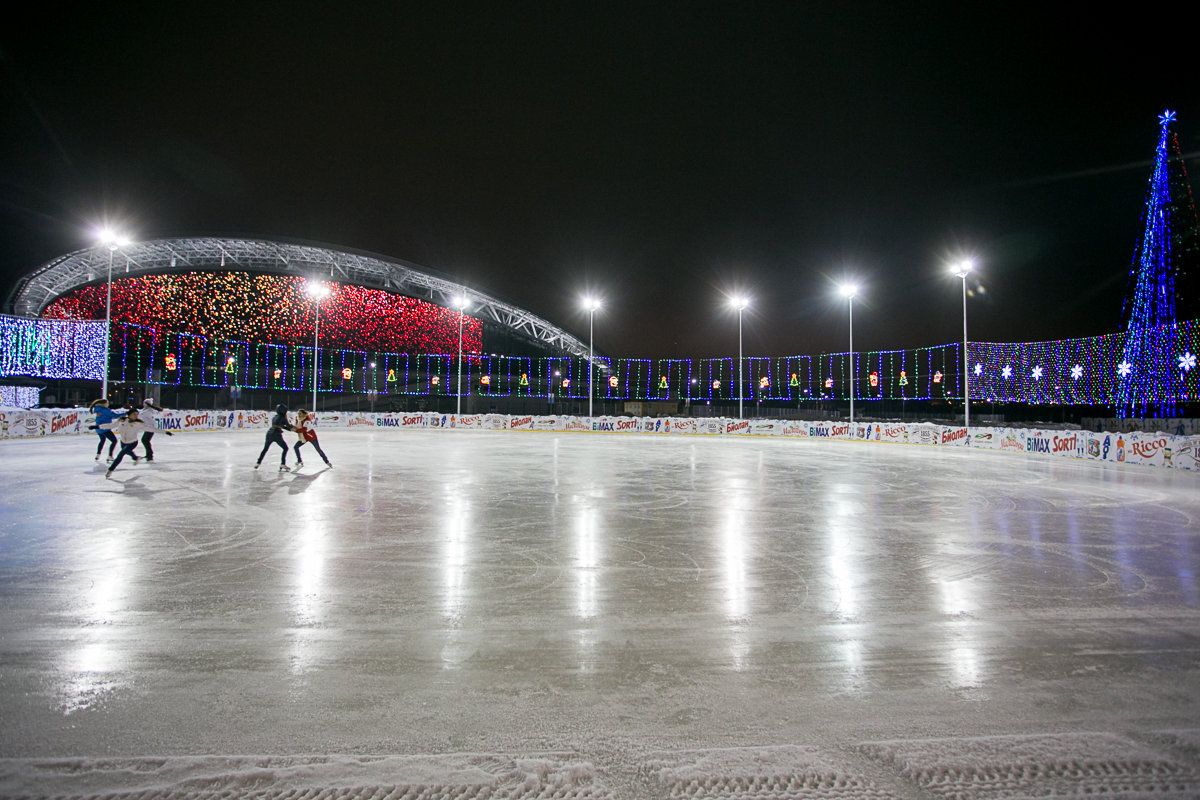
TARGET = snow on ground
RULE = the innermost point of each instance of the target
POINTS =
(639, 616)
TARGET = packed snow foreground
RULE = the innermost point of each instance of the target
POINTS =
(459, 613)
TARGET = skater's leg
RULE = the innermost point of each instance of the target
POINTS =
(100, 444)
(146, 437)
(126, 450)
(266, 447)
(282, 456)
(317, 444)
(112, 442)
(296, 449)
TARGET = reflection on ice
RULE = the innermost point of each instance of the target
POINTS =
(585, 563)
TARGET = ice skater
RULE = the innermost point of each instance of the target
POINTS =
(148, 414)
(279, 424)
(306, 434)
(129, 428)
(104, 415)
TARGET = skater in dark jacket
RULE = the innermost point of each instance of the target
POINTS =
(279, 424)
(305, 434)
(104, 416)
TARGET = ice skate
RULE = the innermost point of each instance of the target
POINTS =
(259, 464)
(108, 474)
(299, 464)
(284, 468)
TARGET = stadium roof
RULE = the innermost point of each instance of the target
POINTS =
(41, 286)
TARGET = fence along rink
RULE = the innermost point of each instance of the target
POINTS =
(1141, 448)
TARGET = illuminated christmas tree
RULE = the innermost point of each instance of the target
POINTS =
(1148, 379)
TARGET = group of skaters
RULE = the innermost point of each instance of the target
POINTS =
(135, 425)
(305, 434)
(129, 428)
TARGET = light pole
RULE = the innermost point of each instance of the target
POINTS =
(460, 303)
(962, 269)
(113, 241)
(849, 290)
(592, 305)
(740, 303)
(317, 291)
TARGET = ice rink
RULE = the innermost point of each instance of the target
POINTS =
(615, 616)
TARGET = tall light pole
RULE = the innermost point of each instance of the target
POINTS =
(962, 269)
(113, 241)
(592, 305)
(317, 291)
(460, 302)
(849, 290)
(740, 303)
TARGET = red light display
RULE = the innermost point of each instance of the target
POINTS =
(275, 308)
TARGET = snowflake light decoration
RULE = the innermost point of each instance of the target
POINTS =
(1036, 374)
(1187, 361)
(1007, 371)
(1077, 372)
(978, 369)
(1124, 368)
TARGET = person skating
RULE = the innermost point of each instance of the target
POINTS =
(148, 414)
(128, 428)
(279, 424)
(306, 434)
(104, 415)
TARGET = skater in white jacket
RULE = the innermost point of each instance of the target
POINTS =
(128, 429)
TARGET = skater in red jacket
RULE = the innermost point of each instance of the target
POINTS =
(307, 435)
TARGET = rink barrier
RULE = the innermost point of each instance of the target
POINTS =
(1147, 449)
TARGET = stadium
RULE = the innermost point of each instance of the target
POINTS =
(229, 318)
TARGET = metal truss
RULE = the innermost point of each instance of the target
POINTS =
(39, 288)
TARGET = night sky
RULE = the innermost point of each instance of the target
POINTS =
(661, 155)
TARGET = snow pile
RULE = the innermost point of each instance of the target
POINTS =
(441, 777)
(762, 772)
(1052, 765)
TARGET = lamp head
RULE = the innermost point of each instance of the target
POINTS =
(112, 239)
(460, 301)
(848, 290)
(962, 268)
(591, 304)
(739, 302)
(317, 289)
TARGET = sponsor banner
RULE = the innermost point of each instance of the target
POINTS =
(794, 428)
(654, 425)
(255, 419)
(986, 438)
(524, 423)
(766, 427)
(1186, 453)
(924, 433)
(604, 424)
(18, 423)
(829, 430)
(862, 430)
(576, 423)
(1012, 440)
(957, 437)
(737, 426)
(467, 421)
(495, 422)
(894, 432)
(547, 423)
(1150, 449)
(61, 421)
(683, 425)
(710, 425)
(360, 421)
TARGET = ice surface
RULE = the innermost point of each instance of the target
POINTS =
(610, 597)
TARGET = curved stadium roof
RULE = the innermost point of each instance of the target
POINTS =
(209, 253)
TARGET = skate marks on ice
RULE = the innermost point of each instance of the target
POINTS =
(466, 776)
(766, 773)
(1050, 765)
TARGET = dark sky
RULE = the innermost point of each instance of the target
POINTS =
(661, 154)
